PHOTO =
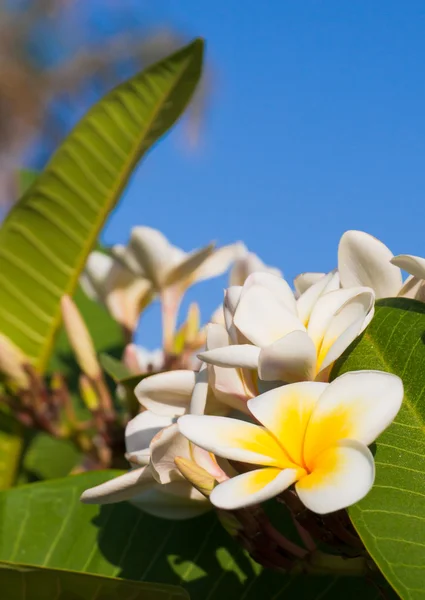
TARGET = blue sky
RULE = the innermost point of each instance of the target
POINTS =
(316, 126)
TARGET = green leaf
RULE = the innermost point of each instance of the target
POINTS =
(29, 583)
(45, 524)
(11, 446)
(26, 177)
(50, 458)
(47, 236)
(391, 519)
(114, 368)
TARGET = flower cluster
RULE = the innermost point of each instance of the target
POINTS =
(260, 414)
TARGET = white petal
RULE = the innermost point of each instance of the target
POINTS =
(199, 397)
(262, 318)
(251, 488)
(166, 394)
(166, 445)
(244, 356)
(175, 501)
(308, 299)
(411, 287)
(152, 251)
(231, 300)
(290, 359)
(335, 311)
(218, 316)
(340, 344)
(234, 439)
(285, 411)
(277, 285)
(219, 261)
(342, 476)
(303, 281)
(359, 405)
(141, 430)
(248, 264)
(364, 260)
(415, 265)
(186, 271)
(95, 274)
(120, 488)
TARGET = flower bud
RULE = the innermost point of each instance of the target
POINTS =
(12, 361)
(196, 475)
(88, 393)
(79, 338)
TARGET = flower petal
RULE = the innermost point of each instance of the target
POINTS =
(247, 264)
(95, 274)
(120, 488)
(308, 299)
(166, 394)
(166, 445)
(152, 251)
(336, 311)
(219, 261)
(277, 285)
(359, 406)
(364, 260)
(234, 439)
(262, 318)
(175, 501)
(415, 265)
(244, 356)
(285, 412)
(186, 270)
(290, 359)
(253, 487)
(305, 280)
(139, 433)
(231, 300)
(199, 396)
(411, 288)
(342, 475)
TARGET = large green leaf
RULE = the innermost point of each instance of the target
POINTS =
(11, 446)
(391, 519)
(45, 524)
(47, 236)
(30, 583)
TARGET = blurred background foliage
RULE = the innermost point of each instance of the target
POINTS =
(58, 57)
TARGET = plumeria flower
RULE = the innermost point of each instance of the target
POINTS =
(170, 271)
(154, 484)
(311, 434)
(363, 260)
(140, 360)
(277, 338)
(106, 281)
(247, 263)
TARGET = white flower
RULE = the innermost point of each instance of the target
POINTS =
(151, 256)
(154, 484)
(140, 360)
(363, 260)
(245, 264)
(110, 283)
(313, 435)
(285, 339)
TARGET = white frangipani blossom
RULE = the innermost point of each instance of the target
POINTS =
(106, 281)
(284, 339)
(363, 260)
(154, 484)
(246, 263)
(314, 435)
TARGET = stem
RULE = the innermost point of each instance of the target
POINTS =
(283, 542)
(170, 303)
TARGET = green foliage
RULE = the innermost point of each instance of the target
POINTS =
(114, 368)
(26, 178)
(47, 236)
(45, 524)
(391, 519)
(29, 583)
(11, 446)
